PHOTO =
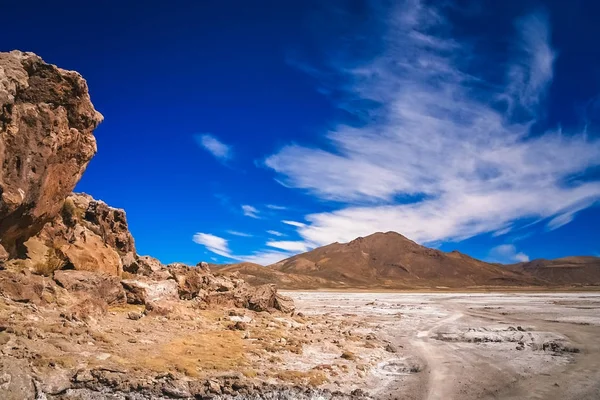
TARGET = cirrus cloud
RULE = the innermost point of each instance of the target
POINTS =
(214, 146)
(456, 148)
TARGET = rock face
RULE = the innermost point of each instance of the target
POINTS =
(89, 284)
(46, 142)
(88, 234)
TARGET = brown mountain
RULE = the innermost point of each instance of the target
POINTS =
(563, 271)
(383, 260)
(257, 275)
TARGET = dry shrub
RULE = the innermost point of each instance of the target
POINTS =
(312, 378)
(70, 213)
(128, 275)
(53, 262)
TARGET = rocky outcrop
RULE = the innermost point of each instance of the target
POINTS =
(46, 142)
(88, 234)
(23, 287)
(265, 298)
(145, 292)
(92, 285)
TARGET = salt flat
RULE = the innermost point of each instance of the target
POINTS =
(473, 345)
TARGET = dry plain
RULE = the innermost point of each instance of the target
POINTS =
(471, 345)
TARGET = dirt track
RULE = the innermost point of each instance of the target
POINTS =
(475, 346)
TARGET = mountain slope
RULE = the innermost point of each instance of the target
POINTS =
(256, 274)
(391, 260)
(563, 271)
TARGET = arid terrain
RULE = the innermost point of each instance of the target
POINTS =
(83, 316)
(391, 261)
(472, 346)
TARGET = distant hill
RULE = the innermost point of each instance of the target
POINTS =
(390, 260)
(563, 271)
(256, 274)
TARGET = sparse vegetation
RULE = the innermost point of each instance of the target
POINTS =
(70, 213)
(127, 275)
(313, 378)
(52, 262)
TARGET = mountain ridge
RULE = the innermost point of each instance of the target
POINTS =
(392, 261)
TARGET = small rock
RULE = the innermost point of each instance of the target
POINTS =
(134, 315)
(177, 388)
(83, 376)
(214, 387)
(239, 326)
(390, 348)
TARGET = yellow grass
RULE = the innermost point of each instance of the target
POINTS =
(207, 351)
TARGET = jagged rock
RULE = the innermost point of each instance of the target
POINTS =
(46, 142)
(203, 265)
(23, 286)
(144, 292)
(150, 263)
(190, 281)
(130, 263)
(266, 298)
(284, 304)
(109, 223)
(177, 388)
(91, 235)
(98, 286)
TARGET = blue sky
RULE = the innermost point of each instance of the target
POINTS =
(251, 131)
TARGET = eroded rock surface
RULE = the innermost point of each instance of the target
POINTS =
(82, 315)
(46, 142)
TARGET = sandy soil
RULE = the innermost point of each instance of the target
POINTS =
(468, 346)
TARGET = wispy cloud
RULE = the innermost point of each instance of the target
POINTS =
(266, 257)
(276, 207)
(507, 254)
(250, 211)
(458, 146)
(294, 223)
(213, 243)
(293, 246)
(220, 246)
(214, 146)
(275, 233)
(241, 234)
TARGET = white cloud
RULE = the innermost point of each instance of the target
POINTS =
(241, 234)
(250, 211)
(275, 233)
(220, 246)
(214, 146)
(276, 207)
(457, 145)
(507, 254)
(266, 257)
(294, 223)
(295, 246)
(213, 243)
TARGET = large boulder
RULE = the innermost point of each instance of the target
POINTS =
(93, 285)
(266, 298)
(25, 287)
(46, 142)
(144, 292)
(87, 235)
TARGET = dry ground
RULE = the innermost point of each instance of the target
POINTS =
(472, 346)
